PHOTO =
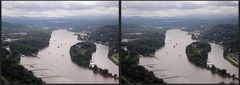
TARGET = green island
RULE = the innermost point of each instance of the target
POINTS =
(81, 54)
(197, 53)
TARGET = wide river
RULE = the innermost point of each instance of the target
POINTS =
(170, 62)
(54, 64)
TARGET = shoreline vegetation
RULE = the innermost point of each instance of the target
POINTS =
(22, 40)
(81, 54)
(134, 73)
(140, 42)
(197, 53)
(13, 73)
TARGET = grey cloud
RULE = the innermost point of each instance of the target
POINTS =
(53, 5)
(59, 8)
(223, 3)
(165, 5)
(178, 8)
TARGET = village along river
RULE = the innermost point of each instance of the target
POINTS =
(54, 63)
(171, 63)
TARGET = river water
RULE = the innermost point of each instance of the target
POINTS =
(99, 58)
(170, 62)
(54, 64)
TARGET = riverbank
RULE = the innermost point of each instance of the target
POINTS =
(114, 58)
(28, 41)
(132, 73)
(13, 73)
(231, 57)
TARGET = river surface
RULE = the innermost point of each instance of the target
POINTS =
(170, 62)
(99, 58)
(54, 64)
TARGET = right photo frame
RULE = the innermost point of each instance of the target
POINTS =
(179, 42)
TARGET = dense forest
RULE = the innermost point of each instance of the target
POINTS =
(81, 53)
(227, 35)
(134, 73)
(197, 53)
(12, 72)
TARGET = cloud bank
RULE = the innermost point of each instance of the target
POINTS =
(178, 8)
(59, 8)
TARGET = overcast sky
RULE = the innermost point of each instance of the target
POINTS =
(59, 8)
(178, 8)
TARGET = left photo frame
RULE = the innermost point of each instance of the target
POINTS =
(60, 42)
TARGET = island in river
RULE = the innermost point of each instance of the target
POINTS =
(197, 53)
(81, 53)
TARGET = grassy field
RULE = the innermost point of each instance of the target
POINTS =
(232, 58)
(114, 58)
